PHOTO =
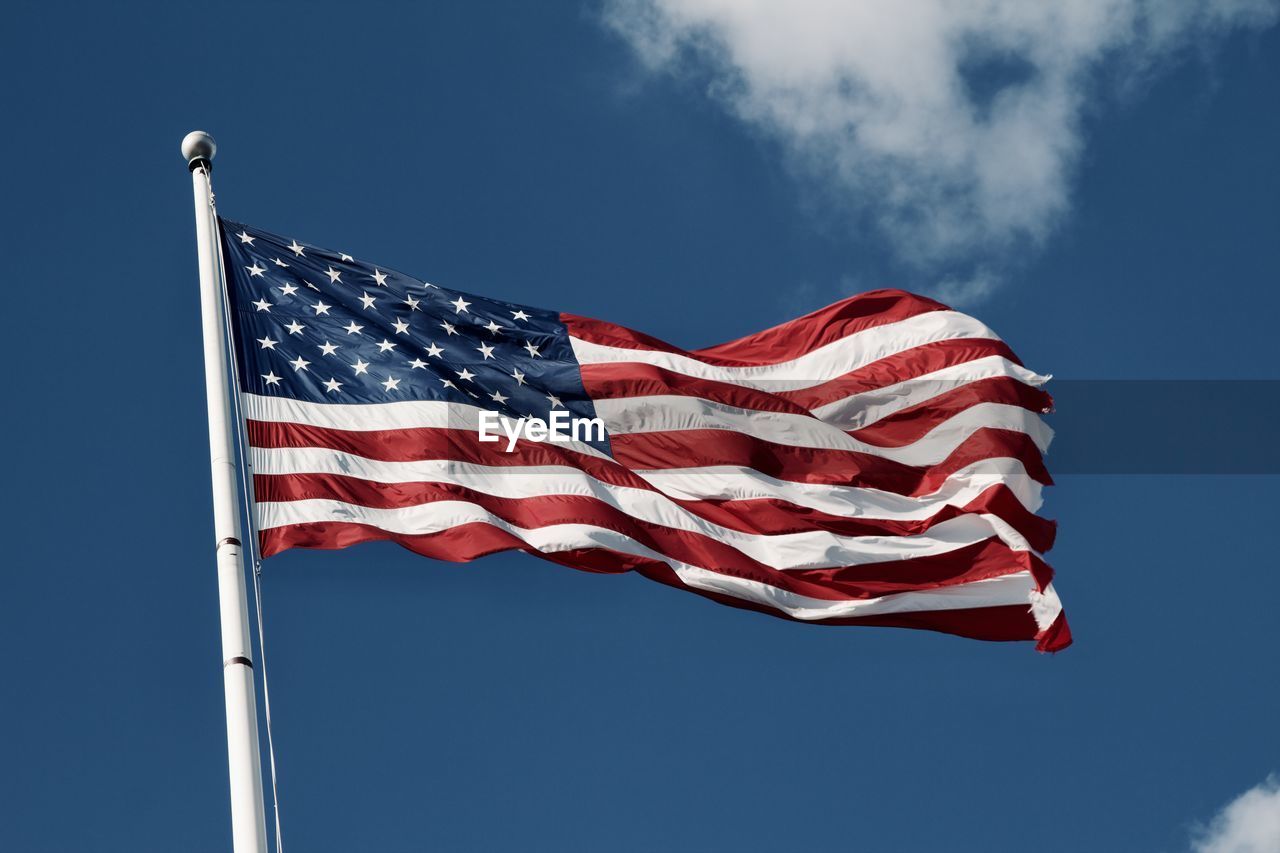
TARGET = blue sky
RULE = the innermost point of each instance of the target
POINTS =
(530, 152)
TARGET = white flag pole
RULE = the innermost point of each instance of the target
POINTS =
(248, 813)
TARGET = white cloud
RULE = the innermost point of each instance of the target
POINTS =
(954, 125)
(963, 291)
(1249, 824)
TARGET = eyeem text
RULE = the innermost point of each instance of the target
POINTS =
(562, 428)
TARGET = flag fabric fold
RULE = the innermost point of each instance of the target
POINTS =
(876, 462)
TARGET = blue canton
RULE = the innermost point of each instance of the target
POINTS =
(320, 326)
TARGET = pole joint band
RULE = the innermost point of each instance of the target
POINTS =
(237, 659)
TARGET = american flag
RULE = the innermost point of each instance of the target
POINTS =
(877, 462)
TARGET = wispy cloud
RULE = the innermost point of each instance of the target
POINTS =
(955, 127)
(1248, 824)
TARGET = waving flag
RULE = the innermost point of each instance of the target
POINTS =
(877, 462)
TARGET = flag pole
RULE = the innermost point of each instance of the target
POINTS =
(248, 813)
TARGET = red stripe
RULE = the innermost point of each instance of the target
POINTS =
(914, 423)
(764, 516)
(684, 546)
(460, 445)
(774, 516)
(1005, 623)
(900, 367)
(698, 448)
(780, 343)
(989, 559)
(633, 379)
(686, 449)
(616, 380)
(471, 541)
(1056, 637)
(761, 515)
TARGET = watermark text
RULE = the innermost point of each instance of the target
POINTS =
(562, 428)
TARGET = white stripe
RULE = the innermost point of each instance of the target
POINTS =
(732, 482)
(801, 550)
(717, 482)
(861, 410)
(1014, 588)
(813, 368)
(366, 417)
(671, 413)
(629, 415)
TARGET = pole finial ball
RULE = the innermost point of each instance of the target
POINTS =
(198, 145)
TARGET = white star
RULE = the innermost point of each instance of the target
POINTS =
(321, 308)
(448, 327)
(520, 315)
(271, 378)
(328, 349)
(402, 328)
(379, 277)
(466, 375)
(361, 366)
(386, 346)
(333, 385)
(498, 398)
(267, 343)
(460, 305)
(245, 238)
(312, 286)
(289, 289)
(278, 262)
(493, 327)
(391, 384)
(368, 301)
(297, 250)
(353, 327)
(486, 351)
(429, 284)
(333, 274)
(255, 269)
(518, 377)
(412, 303)
(555, 401)
(345, 256)
(533, 351)
(448, 383)
(434, 351)
(299, 363)
(262, 305)
(418, 363)
(294, 327)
